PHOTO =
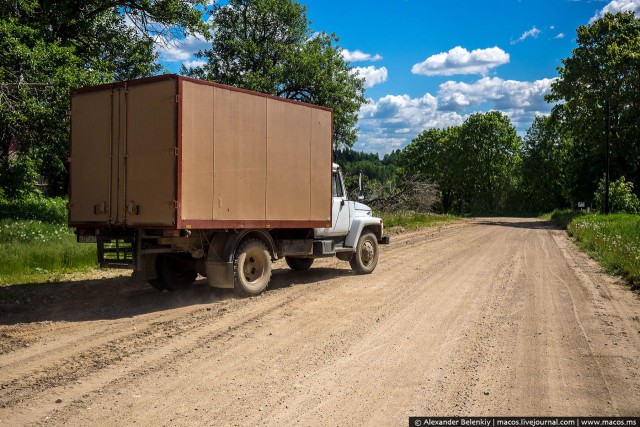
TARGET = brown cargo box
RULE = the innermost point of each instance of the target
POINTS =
(175, 152)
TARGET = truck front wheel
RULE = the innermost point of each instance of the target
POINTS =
(252, 268)
(298, 264)
(365, 258)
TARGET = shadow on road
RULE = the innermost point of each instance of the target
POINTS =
(519, 223)
(120, 297)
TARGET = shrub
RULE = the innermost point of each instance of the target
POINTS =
(50, 210)
(621, 196)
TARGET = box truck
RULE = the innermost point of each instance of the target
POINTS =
(174, 177)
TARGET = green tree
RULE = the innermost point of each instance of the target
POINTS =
(49, 47)
(604, 66)
(436, 156)
(36, 76)
(269, 46)
(544, 161)
(475, 165)
(377, 174)
(491, 150)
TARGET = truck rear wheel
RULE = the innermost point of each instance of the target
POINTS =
(174, 272)
(365, 258)
(252, 268)
(158, 284)
(298, 264)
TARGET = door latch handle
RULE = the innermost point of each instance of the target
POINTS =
(133, 209)
(100, 208)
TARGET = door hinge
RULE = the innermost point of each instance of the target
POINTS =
(175, 204)
(177, 98)
(175, 151)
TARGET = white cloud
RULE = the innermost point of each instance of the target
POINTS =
(372, 75)
(560, 36)
(616, 6)
(359, 56)
(504, 95)
(460, 61)
(194, 63)
(533, 33)
(393, 120)
(181, 50)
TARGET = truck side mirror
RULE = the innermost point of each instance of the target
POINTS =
(360, 189)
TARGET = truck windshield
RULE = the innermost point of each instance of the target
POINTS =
(336, 186)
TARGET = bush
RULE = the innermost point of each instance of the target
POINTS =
(621, 197)
(50, 210)
(18, 177)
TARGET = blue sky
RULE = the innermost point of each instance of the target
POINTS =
(432, 63)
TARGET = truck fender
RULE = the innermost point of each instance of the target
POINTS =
(360, 224)
(219, 264)
(235, 240)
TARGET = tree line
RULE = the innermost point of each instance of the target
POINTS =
(483, 165)
(48, 47)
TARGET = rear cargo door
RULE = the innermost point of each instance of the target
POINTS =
(93, 149)
(149, 150)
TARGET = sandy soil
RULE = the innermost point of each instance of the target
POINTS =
(486, 317)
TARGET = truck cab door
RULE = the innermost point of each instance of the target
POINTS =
(340, 214)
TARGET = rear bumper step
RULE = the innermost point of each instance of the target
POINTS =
(116, 252)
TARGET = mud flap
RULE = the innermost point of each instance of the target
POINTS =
(219, 274)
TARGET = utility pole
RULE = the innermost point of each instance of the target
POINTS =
(607, 126)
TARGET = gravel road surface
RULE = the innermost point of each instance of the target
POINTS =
(490, 316)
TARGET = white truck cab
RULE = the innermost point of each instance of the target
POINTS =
(355, 232)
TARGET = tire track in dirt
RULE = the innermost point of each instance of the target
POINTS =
(478, 318)
(78, 365)
(332, 345)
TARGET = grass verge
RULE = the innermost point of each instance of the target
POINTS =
(563, 217)
(413, 220)
(613, 240)
(32, 251)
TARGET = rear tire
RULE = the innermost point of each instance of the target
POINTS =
(157, 284)
(298, 264)
(365, 258)
(252, 268)
(174, 272)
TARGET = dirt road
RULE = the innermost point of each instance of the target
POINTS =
(486, 317)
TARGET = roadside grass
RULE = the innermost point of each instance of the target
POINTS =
(35, 243)
(613, 240)
(410, 220)
(563, 217)
(32, 251)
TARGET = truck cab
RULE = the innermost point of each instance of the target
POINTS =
(354, 233)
